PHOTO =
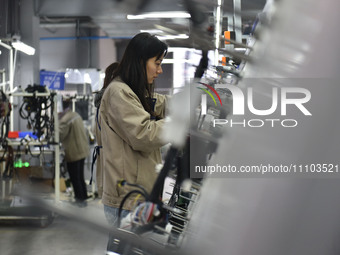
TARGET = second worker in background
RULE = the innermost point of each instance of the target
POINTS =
(75, 141)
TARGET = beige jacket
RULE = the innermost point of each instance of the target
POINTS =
(73, 136)
(131, 142)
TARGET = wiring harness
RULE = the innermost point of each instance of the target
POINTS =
(5, 110)
(152, 211)
(35, 110)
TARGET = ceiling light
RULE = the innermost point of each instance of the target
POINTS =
(160, 15)
(23, 47)
(240, 49)
(172, 37)
(152, 31)
(87, 78)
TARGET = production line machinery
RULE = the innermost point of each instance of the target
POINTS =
(254, 213)
(17, 176)
(278, 212)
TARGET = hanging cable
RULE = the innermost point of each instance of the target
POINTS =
(5, 110)
(35, 110)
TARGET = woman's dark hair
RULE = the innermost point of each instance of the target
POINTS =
(132, 68)
(109, 74)
(67, 102)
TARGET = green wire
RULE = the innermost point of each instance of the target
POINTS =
(209, 94)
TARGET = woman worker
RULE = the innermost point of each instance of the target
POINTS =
(131, 119)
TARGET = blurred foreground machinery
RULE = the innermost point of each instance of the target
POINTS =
(280, 213)
(254, 213)
(257, 213)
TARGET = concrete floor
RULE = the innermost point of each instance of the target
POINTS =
(72, 230)
(64, 236)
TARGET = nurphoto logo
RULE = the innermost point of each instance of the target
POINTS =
(292, 96)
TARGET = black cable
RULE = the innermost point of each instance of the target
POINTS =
(124, 182)
(5, 123)
(8, 173)
(6, 117)
(157, 188)
(203, 65)
(34, 108)
(32, 155)
(5, 147)
(123, 202)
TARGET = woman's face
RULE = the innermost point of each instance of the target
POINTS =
(153, 68)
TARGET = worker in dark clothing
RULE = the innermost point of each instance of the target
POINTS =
(76, 145)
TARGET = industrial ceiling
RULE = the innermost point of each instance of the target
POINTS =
(111, 15)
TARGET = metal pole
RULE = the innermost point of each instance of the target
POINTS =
(56, 151)
(11, 85)
(73, 104)
(237, 21)
(218, 28)
(3, 79)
